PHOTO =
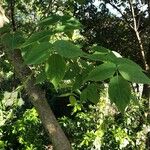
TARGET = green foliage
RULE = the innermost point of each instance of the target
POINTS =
(41, 77)
(12, 40)
(18, 126)
(125, 61)
(101, 127)
(102, 56)
(63, 60)
(55, 69)
(37, 53)
(65, 23)
(27, 128)
(65, 20)
(53, 19)
(119, 92)
(131, 73)
(2, 145)
(77, 68)
(95, 126)
(91, 93)
(78, 82)
(37, 37)
(73, 70)
(102, 72)
(100, 49)
(75, 104)
(67, 49)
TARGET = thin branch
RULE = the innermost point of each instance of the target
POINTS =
(142, 51)
(148, 3)
(133, 15)
(12, 6)
(123, 16)
(138, 21)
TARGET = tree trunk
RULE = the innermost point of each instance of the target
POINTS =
(146, 88)
(37, 96)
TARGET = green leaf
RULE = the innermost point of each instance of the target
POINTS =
(55, 69)
(66, 28)
(67, 49)
(53, 19)
(96, 56)
(100, 49)
(70, 21)
(102, 72)
(38, 53)
(90, 93)
(72, 100)
(119, 92)
(83, 96)
(37, 37)
(69, 24)
(78, 82)
(121, 61)
(64, 23)
(41, 77)
(72, 71)
(104, 57)
(133, 74)
(5, 29)
(2, 145)
(12, 40)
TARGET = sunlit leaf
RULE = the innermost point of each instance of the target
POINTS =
(73, 100)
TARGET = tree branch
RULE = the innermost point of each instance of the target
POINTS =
(146, 66)
(123, 16)
(148, 3)
(37, 96)
(133, 15)
(12, 6)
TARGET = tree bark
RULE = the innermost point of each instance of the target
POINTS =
(146, 88)
(37, 96)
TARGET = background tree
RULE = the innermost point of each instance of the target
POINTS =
(127, 34)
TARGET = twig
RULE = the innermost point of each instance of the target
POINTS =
(12, 6)
(123, 16)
